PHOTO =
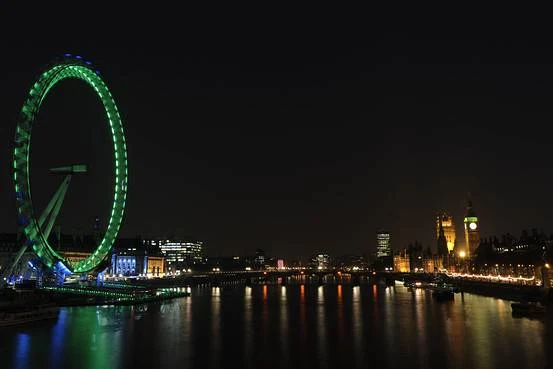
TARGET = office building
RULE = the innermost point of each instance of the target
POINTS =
(383, 247)
(178, 254)
(321, 261)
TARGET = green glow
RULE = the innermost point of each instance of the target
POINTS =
(471, 219)
(39, 91)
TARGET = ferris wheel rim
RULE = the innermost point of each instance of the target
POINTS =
(67, 67)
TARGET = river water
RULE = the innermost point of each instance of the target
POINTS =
(286, 327)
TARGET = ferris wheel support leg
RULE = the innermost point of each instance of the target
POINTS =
(52, 210)
(51, 213)
(58, 200)
(7, 275)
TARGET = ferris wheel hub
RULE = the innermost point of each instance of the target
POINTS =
(70, 169)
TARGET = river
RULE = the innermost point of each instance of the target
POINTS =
(297, 326)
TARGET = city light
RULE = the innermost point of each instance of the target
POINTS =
(462, 254)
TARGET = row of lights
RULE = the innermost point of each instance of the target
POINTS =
(491, 277)
(168, 292)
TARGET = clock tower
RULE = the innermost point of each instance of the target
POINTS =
(472, 230)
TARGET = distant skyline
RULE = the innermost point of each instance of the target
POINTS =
(296, 136)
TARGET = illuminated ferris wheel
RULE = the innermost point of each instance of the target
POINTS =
(37, 229)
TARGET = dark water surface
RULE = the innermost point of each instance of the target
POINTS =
(286, 327)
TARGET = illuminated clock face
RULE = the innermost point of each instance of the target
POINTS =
(472, 226)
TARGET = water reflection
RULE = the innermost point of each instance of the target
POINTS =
(215, 326)
(340, 313)
(283, 324)
(216, 291)
(102, 348)
(421, 306)
(454, 337)
(58, 337)
(481, 335)
(357, 324)
(302, 311)
(248, 329)
(265, 312)
(321, 327)
(22, 350)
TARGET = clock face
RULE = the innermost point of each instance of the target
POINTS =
(473, 226)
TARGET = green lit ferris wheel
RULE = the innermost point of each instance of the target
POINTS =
(37, 229)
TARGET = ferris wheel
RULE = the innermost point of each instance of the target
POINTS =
(37, 229)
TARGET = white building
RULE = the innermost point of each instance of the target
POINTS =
(179, 254)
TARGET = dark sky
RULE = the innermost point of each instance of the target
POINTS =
(291, 131)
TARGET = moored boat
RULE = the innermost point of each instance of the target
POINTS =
(416, 284)
(443, 294)
(527, 308)
(28, 315)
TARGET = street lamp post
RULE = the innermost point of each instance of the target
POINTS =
(462, 256)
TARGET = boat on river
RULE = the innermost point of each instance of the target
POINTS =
(416, 284)
(28, 315)
(443, 294)
(527, 308)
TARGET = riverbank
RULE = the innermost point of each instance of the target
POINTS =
(78, 296)
(504, 291)
(87, 296)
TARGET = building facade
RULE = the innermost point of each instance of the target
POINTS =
(10, 245)
(442, 247)
(131, 257)
(511, 256)
(448, 226)
(135, 263)
(432, 263)
(402, 262)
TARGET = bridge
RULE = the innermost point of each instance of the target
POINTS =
(286, 276)
(501, 289)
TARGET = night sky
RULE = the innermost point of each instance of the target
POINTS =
(295, 132)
